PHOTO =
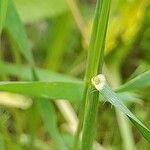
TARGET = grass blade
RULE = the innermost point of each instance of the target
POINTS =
(95, 64)
(48, 90)
(101, 85)
(17, 33)
(139, 82)
(24, 72)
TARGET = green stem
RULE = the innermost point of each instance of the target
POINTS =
(90, 120)
(86, 82)
(95, 63)
(81, 118)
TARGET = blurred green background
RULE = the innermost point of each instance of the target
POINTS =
(58, 32)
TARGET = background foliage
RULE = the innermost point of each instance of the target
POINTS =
(47, 42)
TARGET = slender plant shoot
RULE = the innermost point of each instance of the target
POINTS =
(105, 90)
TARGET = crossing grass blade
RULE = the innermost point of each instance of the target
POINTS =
(112, 97)
(24, 72)
(48, 90)
(139, 82)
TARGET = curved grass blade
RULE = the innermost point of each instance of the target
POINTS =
(16, 31)
(139, 82)
(101, 85)
(24, 72)
(48, 90)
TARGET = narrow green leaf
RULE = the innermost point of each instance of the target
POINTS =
(16, 31)
(139, 70)
(139, 82)
(94, 66)
(24, 72)
(129, 97)
(101, 85)
(48, 90)
(3, 13)
(114, 100)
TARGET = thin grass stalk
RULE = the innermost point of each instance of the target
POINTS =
(86, 83)
(95, 63)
